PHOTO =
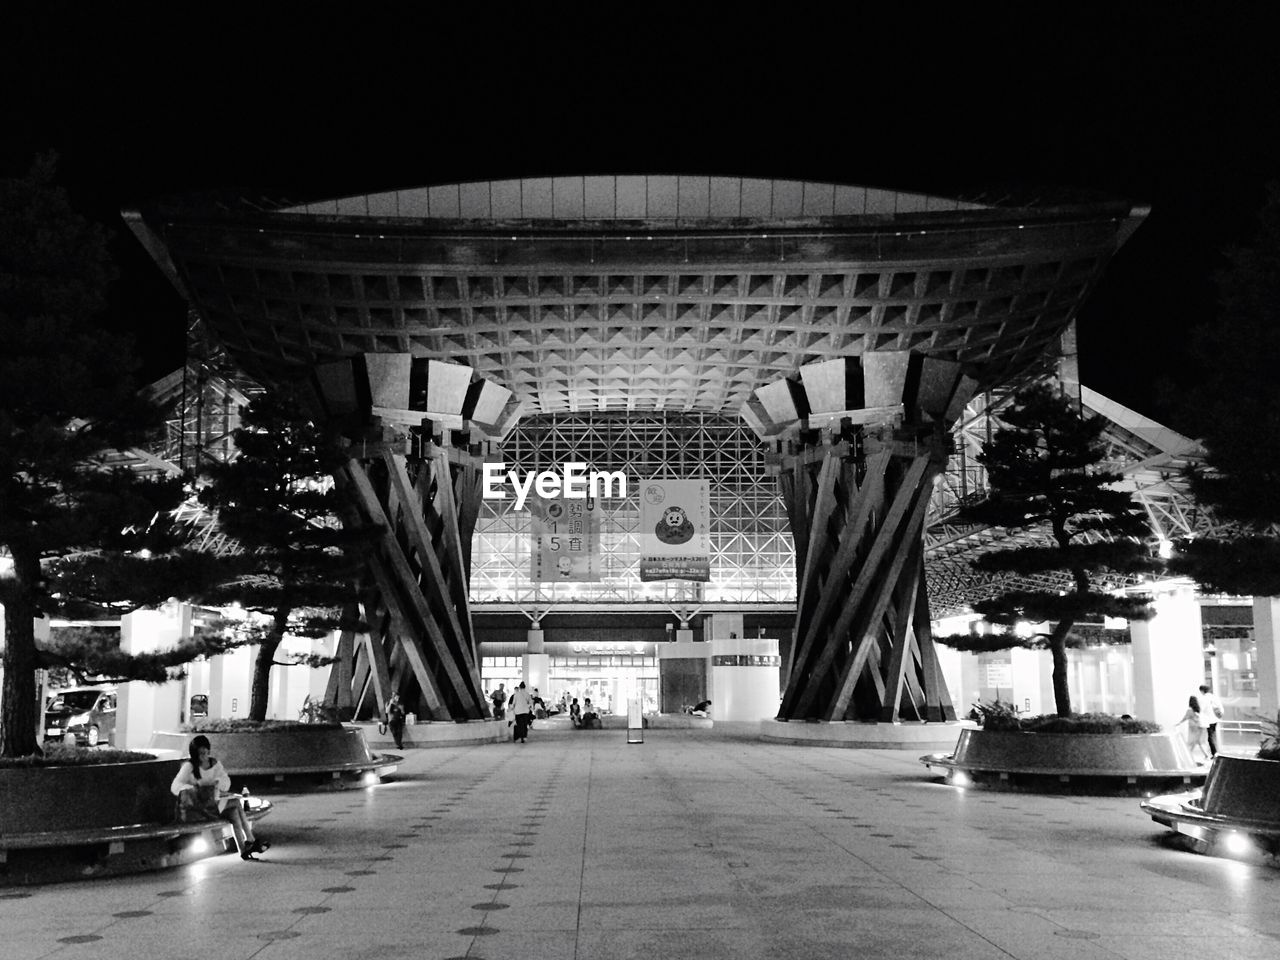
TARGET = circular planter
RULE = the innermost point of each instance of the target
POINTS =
(92, 797)
(333, 754)
(1237, 813)
(1083, 762)
(437, 733)
(859, 734)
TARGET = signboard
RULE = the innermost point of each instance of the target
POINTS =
(675, 530)
(998, 671)
(566, 540)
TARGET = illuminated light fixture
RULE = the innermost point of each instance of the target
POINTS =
(1236, 844)
(1165, 549)
(1022, 629)
(959, 778)
(200, 844)
(370, 779)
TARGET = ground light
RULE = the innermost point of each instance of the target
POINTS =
(1236, 844)
(958, 778)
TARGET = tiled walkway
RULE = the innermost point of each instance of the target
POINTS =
(699, 845)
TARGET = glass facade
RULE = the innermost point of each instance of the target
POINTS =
(752, 555)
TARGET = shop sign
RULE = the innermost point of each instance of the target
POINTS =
(998, 671)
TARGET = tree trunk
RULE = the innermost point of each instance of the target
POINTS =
(1058, 650)
(19, 712)
(261, 688)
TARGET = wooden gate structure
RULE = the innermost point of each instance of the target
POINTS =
(418, 433)
(856, 443)
(612, 295)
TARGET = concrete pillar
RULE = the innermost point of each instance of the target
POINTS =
(230, 677)
(1266, 633)
(1168, 655)
(744, 679)
(537, 663)
(142, 708)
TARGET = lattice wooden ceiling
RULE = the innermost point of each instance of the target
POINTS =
(690, 313)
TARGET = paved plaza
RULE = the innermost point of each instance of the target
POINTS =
(694, 844)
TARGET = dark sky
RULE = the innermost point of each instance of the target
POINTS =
(1179, 111)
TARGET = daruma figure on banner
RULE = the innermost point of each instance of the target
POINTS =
(674, 527)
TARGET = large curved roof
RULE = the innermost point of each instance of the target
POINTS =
(649, 198)
(637, 293)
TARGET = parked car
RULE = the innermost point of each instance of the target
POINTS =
(81, 715)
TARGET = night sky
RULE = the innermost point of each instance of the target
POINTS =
(1180, 112)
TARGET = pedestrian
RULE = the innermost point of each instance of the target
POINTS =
(590, 718)
(1193, 730)
(575, 713)
(522, 707)
(1210, 713)
(395, 720)
(499, 697)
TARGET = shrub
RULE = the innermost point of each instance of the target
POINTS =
(253, 726)
(64, 756)
(1003, 716)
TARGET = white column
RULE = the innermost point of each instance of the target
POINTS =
(142, 708)
(1266, 632)
(1168, 655)
(744, 691)
(230, 677)
(537, 664)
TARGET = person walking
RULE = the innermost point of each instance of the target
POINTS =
(1210, 713)
(522, 707)
(395, 720)
(1193, 730)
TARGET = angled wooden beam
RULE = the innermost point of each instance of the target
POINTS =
(403, 495)
(901, 662)
(415, 603)
(884, 540)
(823, 639)
(870, 617)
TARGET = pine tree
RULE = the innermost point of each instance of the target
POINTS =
(300, 564)
(67, 399)
(1235, 412)
(1043, 470)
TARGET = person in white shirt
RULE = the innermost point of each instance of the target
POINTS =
(202, 787)
(522, 706)
(1210, 713)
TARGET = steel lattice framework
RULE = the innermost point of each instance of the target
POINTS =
(752, 557)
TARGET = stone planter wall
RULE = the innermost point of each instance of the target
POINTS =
(49, 799)
(1243, 788)
(1083, 754)
(280, 750)
(866, 736)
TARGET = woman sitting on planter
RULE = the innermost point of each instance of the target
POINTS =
(1194, 730)
(202, 786)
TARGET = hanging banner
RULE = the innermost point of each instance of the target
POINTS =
(566, 540)
(675, 530)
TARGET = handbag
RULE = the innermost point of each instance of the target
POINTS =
(382, 728)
